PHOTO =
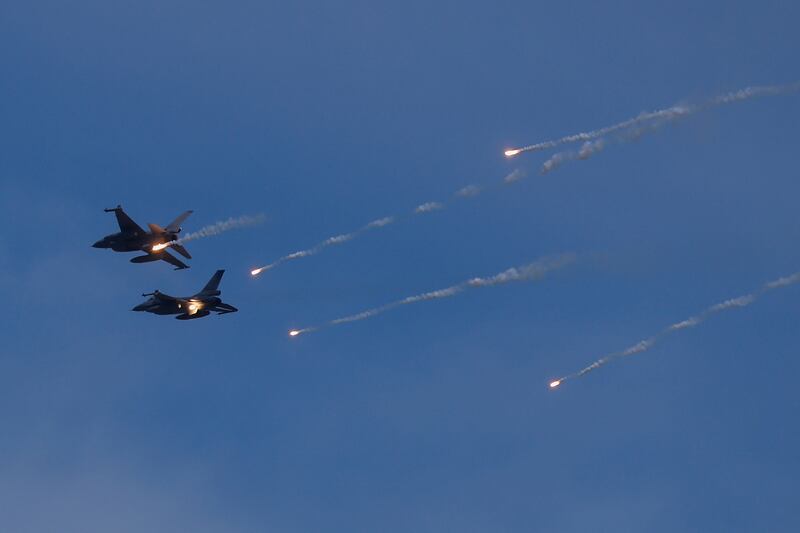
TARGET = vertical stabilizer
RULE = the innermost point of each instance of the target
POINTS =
(175, 225)
(213, 284)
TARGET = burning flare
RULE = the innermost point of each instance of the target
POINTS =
(554, 384)
(256, 271)
(294, 333)
(159, 247)
(512, 152)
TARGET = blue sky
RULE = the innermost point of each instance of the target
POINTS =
(430, 418)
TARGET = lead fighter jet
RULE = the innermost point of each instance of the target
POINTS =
(189, 307)
(132, 238)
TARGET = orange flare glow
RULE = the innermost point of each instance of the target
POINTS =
(554, 384)
(294, 333)
(256, 271)
(159, 247)
(512, 153)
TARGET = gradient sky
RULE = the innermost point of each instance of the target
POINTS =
(324, 116)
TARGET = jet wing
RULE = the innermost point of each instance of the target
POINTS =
(160, 296)
(172, 260)
(126, 223)
(223, 308)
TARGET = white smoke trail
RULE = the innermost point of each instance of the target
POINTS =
(331, 241)
(752, 92)
(646, 344)
(426, 207)
(590, 148)
(215, 229)
(223, 226)
(468, 191)
(669, 113)
(514, 176)
(381, 222)
(661, 116)
(532, 271)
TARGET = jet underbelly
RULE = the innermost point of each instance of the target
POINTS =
(166, 310)
(199, 314)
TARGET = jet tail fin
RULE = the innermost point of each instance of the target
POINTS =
(212, 287)
(156, 229)
(175, 225)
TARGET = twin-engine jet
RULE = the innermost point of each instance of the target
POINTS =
(132, 238)
(189, 307)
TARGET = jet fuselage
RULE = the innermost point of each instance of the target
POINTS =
(188, 307)
(169, 305)
(121, 242)
(134, 238)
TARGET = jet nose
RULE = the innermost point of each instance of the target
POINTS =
(99, 244)
(140, 307)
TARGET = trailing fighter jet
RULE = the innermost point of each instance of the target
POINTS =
(132, 238)
(189, 307)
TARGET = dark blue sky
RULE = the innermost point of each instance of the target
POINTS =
(324, 116)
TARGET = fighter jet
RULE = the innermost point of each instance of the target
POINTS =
(132, 238)
(189, 307)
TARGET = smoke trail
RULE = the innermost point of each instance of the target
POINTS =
(590, 148)
(331, 241)
(646, 344)
(661, 116)
(468, 191)
(427, 207)
(532, 271)
(221, 227)
(514, 176)
(635, 131)
(752, 92)
(381, 222)
(215, 229)
(669, 113)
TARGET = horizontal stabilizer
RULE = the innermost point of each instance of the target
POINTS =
(145, 258)
(181, 250)
(223, 308)
(171, 259)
